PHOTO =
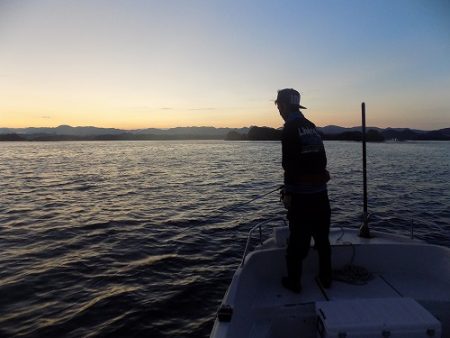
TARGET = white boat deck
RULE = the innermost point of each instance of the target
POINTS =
(401, 268)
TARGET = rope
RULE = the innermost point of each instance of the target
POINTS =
(353, 274)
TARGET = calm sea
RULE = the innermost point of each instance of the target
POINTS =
(126, 239)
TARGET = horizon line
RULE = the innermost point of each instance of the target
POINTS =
(205, 126)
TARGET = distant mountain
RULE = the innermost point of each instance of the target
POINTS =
(65, 132)
(411, 134)
(332, 129)
(398, 134)
(445, 131)
(373, 134)
(193, 131)
(331, 132)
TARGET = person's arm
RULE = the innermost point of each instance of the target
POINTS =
(291, 148)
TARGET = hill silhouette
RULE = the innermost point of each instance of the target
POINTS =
(254, 133)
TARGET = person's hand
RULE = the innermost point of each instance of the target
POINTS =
(285, 198)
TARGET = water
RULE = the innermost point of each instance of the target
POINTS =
(123, 239)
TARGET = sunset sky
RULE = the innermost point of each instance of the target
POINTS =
(141, 64)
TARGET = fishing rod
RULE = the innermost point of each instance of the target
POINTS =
(221, 211)
(236, 206)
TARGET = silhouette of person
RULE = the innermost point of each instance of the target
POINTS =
(305, 194)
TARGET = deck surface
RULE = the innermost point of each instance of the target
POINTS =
(400, 269)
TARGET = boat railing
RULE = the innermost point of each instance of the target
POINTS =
(411, 224)
(259, 228)
(415, 221)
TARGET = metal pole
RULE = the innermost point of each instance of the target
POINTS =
(364, 153)
(364, 230)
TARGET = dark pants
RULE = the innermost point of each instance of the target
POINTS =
(309, 216)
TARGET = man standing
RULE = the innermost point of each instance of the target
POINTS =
(305, 192)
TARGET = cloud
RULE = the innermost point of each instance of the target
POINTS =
(46, 117)
(210, 108)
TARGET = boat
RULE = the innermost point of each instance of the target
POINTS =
(384, 286)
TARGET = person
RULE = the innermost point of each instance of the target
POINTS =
(305, 192)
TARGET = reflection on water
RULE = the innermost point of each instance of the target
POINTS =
(123, 239)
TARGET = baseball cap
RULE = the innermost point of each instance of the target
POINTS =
(289, 96)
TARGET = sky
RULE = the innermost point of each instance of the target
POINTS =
(161, 64)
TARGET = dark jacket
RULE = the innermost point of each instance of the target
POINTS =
(303, 156)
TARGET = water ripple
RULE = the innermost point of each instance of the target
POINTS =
(127, 238)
